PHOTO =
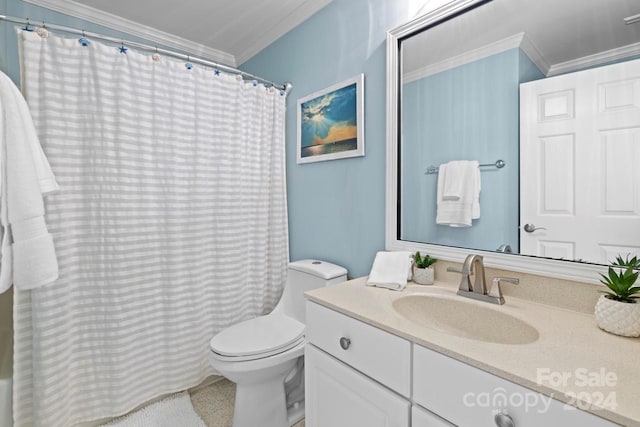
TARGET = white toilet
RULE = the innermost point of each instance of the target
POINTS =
(264, 355)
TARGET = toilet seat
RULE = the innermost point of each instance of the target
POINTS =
(257, 338)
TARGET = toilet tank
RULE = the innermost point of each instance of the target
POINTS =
(303, 276)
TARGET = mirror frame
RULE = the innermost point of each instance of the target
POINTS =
(568, 270)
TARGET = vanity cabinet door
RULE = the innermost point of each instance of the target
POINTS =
(339, 396)
(470, 397)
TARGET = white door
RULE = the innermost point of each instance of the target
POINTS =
(337, 395)
(580, 164)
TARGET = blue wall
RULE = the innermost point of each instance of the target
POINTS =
(466, 113)
(336, 208)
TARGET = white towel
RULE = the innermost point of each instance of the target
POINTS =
(454, 180)
(28, 254)
(390, 270)
(461, 179)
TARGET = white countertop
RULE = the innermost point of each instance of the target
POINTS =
(570, 344)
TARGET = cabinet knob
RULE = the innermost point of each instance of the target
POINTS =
(345, 343)
(504, 420)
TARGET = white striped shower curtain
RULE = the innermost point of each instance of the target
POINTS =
(171, 224)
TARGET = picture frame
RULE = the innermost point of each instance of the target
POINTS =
(331, 122)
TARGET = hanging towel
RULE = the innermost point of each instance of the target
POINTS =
(461, 179)
(454, 180)
(28, 254)
(390, 270)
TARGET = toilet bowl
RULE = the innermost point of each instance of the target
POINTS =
(264, 355)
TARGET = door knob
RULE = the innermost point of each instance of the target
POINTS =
(530, 228)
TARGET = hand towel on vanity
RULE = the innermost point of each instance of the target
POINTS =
(390, 270)
(28, 254)
(461, 179)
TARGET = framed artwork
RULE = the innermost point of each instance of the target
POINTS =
(331, 122)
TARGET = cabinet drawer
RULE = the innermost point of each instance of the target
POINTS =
(423, 418)
(384, 357)
(339, 396)
(467, 396)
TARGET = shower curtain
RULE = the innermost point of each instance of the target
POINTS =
(170, 225)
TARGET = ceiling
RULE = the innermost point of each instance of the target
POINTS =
(560, 33)
(228, 31)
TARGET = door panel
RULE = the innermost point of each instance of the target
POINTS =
(579, 164)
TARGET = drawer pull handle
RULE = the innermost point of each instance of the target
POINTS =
(345, 343)
(504, 420)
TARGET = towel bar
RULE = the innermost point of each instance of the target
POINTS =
(498, 164)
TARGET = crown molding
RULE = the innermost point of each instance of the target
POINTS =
(519, 40)
(595, 59)
(109, 20)
(295, 18)
(530, 49)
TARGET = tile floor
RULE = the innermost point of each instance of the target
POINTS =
(214, 403)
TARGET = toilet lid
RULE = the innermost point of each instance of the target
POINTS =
(258, 337)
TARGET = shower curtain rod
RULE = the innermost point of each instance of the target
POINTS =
(286, 87)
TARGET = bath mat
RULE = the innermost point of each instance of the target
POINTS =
(175, 410)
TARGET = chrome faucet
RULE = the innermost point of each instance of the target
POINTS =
(473, 265)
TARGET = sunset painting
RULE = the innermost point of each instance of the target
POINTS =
(330, 123)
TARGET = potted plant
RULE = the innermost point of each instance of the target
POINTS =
(618, 311)
(423, 272)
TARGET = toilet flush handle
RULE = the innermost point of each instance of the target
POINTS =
(345, 343)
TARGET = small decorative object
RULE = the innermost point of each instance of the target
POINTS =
(188, 65)
(27, 26)
(618, 311)
(83, 41)
(42, 32)
(155, 57)
(123, 49)
(423, 272)
(331, 122)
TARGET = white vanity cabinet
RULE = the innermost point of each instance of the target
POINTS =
(423, 418)
(340, 352)
(359, 375)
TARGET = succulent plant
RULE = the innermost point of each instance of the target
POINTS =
(423, 262)
(621, 279)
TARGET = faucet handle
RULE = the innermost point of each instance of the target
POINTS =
(465, 282)
(511, 280)
(495, 290)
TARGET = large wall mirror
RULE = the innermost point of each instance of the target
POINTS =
(545, 97)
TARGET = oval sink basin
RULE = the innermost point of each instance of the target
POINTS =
(455, 316)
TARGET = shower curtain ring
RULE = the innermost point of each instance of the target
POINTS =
(42, 31)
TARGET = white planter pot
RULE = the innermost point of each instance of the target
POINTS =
(620, 318)
(423, 276)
